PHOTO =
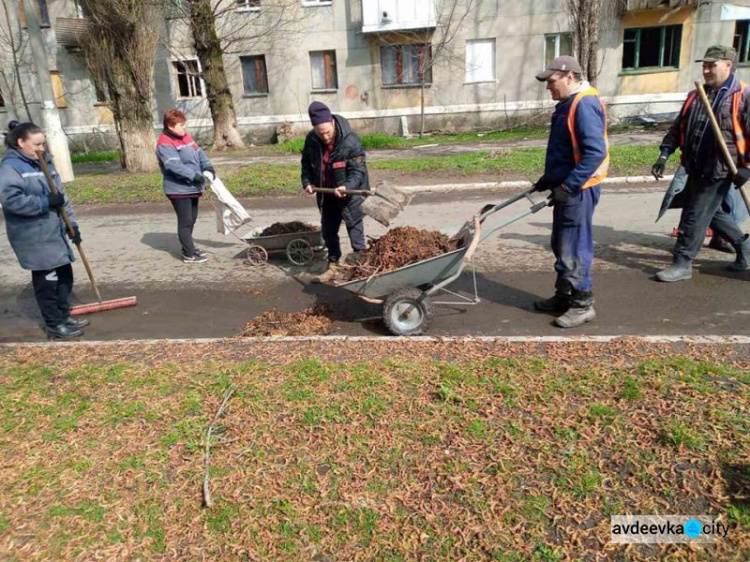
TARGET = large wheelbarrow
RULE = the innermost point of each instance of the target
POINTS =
(407, 293)
(299, 247)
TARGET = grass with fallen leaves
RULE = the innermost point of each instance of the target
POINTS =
(507, 454)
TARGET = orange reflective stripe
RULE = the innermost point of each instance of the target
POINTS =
(737, 128)
(601, 172)
(683, 124)
(738, 131)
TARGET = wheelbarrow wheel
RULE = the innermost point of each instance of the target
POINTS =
(299, 252)
(256, 255)
(408, 312)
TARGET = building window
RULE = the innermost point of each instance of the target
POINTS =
(557, 45)
(42, 13)
(317, 2)
(188, 77)
(652, 47)
(401, 64)
(248, 5)
(254, 76)
(323, 67)
(80, 10)
(742, 40)
(101, 94)
(58, 89)
(480, 60)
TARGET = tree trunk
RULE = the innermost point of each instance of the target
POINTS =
(586, 19)
(210, 55)
(138, 146)
(421, 110)
(119, 50)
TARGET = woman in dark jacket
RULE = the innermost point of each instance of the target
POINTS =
(36, 230)
(183, 163)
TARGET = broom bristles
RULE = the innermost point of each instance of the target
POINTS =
(102, 306)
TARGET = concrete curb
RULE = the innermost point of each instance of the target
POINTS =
(705, 340)
(521, 184)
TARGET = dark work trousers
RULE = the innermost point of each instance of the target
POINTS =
(333, 211)
(702, 209)
(187, 214)
(52, 288)
(572, 240)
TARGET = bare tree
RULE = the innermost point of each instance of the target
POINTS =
(119, 49)
(217, 28)
(431, 49)
(588, 18)
(14, 43)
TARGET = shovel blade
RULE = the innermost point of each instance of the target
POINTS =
(381, 210)
(386, 203)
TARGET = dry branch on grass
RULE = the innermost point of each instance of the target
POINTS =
(207, 499)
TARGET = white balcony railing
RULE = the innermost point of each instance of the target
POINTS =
(397, 15)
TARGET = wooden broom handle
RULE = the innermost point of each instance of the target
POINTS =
(344, 191)
(720, 139)
(68, 224)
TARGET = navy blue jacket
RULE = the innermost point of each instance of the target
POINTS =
(36, 234)
(590, 122)
(348, 164)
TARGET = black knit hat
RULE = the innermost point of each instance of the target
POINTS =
(319, 113)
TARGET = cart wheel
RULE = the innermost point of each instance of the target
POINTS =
(256, 255)
(299, 252)
(408, 312)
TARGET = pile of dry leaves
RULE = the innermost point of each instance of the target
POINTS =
(399, 247)
(313, 321)
(287, 228)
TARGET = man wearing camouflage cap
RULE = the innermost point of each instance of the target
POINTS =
(709, 176)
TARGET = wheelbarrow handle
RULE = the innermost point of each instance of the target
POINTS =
(492, 208)
(344, 191)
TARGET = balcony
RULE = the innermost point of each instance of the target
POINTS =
(635, 5)
(379, 16)
(69, 31)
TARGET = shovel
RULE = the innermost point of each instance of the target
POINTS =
(720, 139)
(384, 203)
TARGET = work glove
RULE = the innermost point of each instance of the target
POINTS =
(200, 179)
(560, 195)
(543, 184)
(657, 170)
(76, 238)
(743, 174)
(56, 200)
(209, 175)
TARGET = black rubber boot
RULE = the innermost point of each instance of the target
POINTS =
(63, 332)
(743, 254)
(560, 302)
(77, 323)
(581, 310)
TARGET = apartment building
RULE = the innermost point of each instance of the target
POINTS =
(362, 57)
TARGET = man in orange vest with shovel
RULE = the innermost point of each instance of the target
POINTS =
(709, 175)
(576, 163)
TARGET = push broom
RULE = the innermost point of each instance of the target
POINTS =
(95, 306)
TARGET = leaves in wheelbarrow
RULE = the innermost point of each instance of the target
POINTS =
(313, 321)
(287, 228)
(398, 247)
